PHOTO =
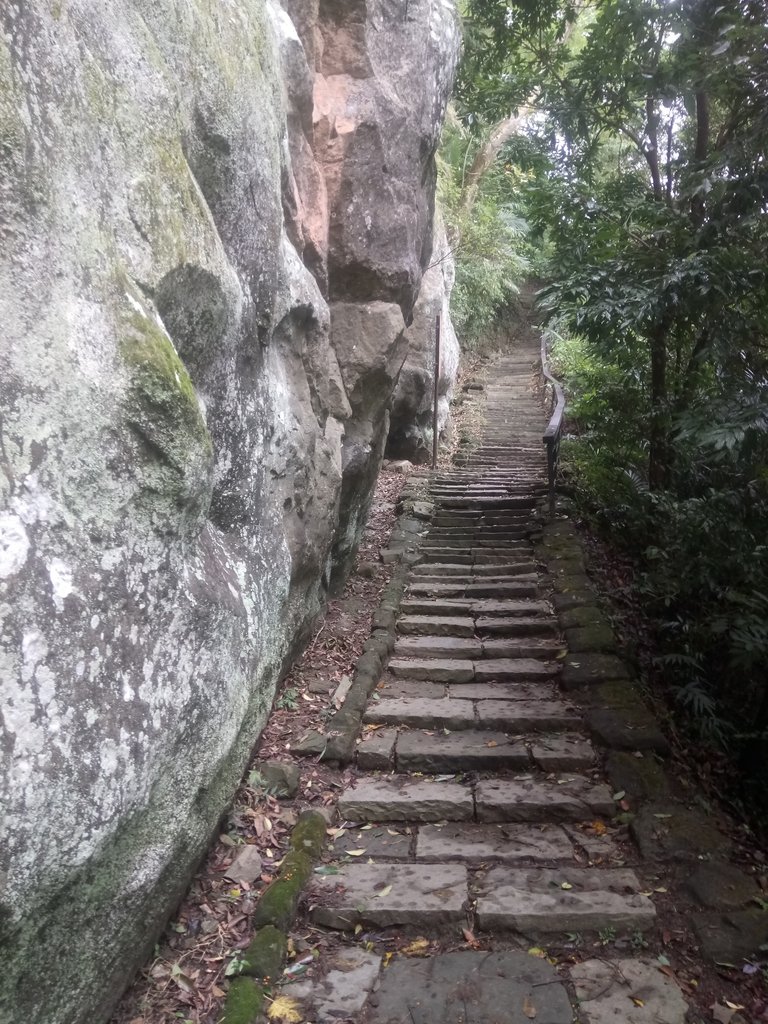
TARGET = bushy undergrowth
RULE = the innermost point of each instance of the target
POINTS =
(699, 546)
(487, 237)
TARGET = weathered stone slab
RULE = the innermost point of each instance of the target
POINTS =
(423, 713)
(516, 625)
(377, 842)
(509, 843)
(574, 599)
(434, 569)
(627, 992)
(436, 606)
(435, 670)
(533, 798)
(527, 715)
(342, 992)
(539, 900)
(564, 752)
(376, 750)
(434, 625)
(584, 615)
(507, 568)
(518, 647)
(402, 799)
(521, 587)
(490, 607)
(427, 895)
(584, 669)
(539, 692)
(514, 669)
(461, 751)
(470, 988)
(390, 687)
(438, 647)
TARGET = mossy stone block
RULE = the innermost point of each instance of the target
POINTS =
(279, 900)
(626, 730)
(584, 615)
(731, 936)
(264, 957)
(569, 583)
(722, 886)
(573, 599)
(616, 694)
(282, 779)
(590, 638)
(245, 1001)
(588, 669)
(667, 831)
(641, 778)
(308, 836)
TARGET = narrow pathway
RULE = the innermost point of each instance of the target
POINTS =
(478, 788)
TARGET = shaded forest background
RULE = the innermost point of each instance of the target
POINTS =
(616, 149)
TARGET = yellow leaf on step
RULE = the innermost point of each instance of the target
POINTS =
(285, 1010)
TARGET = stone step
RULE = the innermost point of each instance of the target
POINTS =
(519, 588)
(507, 570)
(381, 895)
(449, 713)
(542, 798)
(519, 625)
(538, 901)
(512, 844)
(481, 750)
(477, 608)
(463, 670)
(399, 798)
(466, 647)
(435, 625)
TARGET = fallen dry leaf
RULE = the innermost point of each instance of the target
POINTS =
(528, 1008)
(286, 1010)
(419, 947)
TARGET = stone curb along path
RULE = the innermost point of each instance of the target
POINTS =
(502, 733)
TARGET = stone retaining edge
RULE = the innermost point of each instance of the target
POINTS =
(728, 925)
(274, 914)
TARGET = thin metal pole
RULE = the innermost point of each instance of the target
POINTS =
(436, 395)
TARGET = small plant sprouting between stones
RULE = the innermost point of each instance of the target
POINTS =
(606, 936)
(288, 699)
(235, 966)
(639, 941)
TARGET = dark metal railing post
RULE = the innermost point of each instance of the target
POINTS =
(554, 429)
(436, 397)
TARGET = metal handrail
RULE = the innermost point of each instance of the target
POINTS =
(554, 430)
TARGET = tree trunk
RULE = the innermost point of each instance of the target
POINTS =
(658, 458)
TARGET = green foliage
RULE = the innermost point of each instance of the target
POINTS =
(488, 240)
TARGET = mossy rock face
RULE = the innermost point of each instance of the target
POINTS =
(626, 730)
(264, 957)
(584, 615)
(731, 936)
(245, 1001)
(722, 886)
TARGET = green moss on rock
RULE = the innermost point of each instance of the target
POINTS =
(245, 1001)
(279, 900)
(309, 834)
(264, 957)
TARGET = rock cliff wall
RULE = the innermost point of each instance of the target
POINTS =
(214, 223)
(411, 426)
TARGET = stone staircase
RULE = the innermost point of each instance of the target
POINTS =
(477, 785)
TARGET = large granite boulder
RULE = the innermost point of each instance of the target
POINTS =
(411, 419)
(182, 419)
